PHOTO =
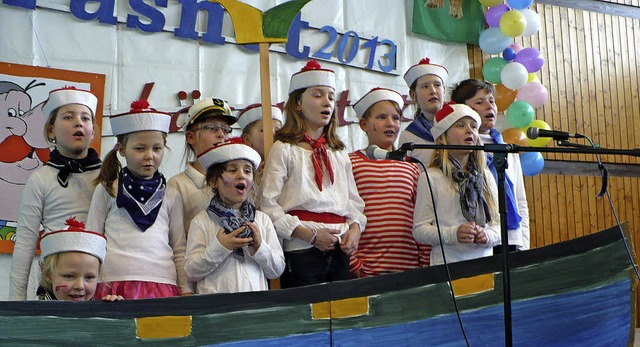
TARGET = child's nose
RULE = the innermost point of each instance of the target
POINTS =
(78, 283)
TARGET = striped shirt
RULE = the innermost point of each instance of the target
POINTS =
(388, 189)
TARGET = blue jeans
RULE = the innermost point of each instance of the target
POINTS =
(313, 266)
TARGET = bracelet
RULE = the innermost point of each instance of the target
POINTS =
(315, 235)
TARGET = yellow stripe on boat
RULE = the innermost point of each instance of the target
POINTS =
(163, 327)
(351, 307)
(473, 285)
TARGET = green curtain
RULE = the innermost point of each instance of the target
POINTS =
(438, 24)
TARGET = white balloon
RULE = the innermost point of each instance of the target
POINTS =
(533, 22)
(514, 75)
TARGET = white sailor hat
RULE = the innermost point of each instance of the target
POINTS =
(140, 118)
(424, 67)
(74, 238)
(312, 75)
(69, 95)
(375, 95)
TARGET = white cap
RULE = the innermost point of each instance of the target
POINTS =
(228, 151)
(373, 96)
(74, 238)
(253, 113)
(69, 95)
(424, 67)
(448, 115)
(312, 75)
(207, 107)
(140, 118)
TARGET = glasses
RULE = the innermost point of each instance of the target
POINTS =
(215, 128)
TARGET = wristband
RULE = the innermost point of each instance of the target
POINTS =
(315, 235)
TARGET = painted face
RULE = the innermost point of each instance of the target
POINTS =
(316, 105)
(255, 136)
(463, 132)
(429, 94)
(236, 182)
(485, 104)
(382, 124)
(207, 133)
(73, 130)
(75, 277)
(143, 152)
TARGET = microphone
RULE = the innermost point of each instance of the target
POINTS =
(374, 152)
(533, 133)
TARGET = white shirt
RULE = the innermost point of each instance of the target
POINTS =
(216, 270)
(155, 255)
(45, 202)
(289, 184)
(450, 217)
(194, 191)
(518, 237)
(424, 155)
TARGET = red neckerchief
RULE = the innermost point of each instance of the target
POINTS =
(319, 156)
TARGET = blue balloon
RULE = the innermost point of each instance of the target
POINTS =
(532, 163)
(493, 41)
(509, 54)
(519, 4)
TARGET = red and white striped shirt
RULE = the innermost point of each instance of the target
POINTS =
(388, 189)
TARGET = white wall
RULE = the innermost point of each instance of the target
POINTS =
(52, 36)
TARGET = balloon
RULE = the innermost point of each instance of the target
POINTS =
(508, 54)
(515, 136)
(513, 23)
(519, 4)
(533, 22)
(520, 114)
(530, 58)
(492, 68)
(514, 75)
(532, 78)
(494, 13)
(493, 41)
(490, 3)
(540, 141)
(532, 163)
(534, 93)
(516, 47)
(504, 97)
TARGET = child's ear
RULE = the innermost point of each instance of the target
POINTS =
(190, 136)
(120, 149)
(246, 139)
(363, 124)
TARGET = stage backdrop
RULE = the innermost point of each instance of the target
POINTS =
(368, 43)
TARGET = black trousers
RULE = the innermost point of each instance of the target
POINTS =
(313, 266)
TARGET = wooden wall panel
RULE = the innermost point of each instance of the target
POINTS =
(592, 75)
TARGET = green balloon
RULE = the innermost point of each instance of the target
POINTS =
(520, 114)
(492, 68)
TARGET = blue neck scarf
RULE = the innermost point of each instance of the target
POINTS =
(421, 128)
(227, 218)
(513, 217)
(141, 198)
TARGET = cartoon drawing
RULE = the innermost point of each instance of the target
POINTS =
(23, 147)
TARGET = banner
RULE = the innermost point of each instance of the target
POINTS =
(439, 24)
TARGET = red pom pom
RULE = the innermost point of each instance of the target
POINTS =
(68, 88)
(424, 61)
(74, 223)
(140, 105)
(311, 65)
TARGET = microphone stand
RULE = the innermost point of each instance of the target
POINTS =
(500, 152)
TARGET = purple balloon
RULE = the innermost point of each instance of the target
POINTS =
(530, 58)
(494, 13)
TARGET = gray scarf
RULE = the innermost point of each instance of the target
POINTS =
(470, 183)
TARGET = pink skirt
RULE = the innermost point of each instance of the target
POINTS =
(131, 290)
